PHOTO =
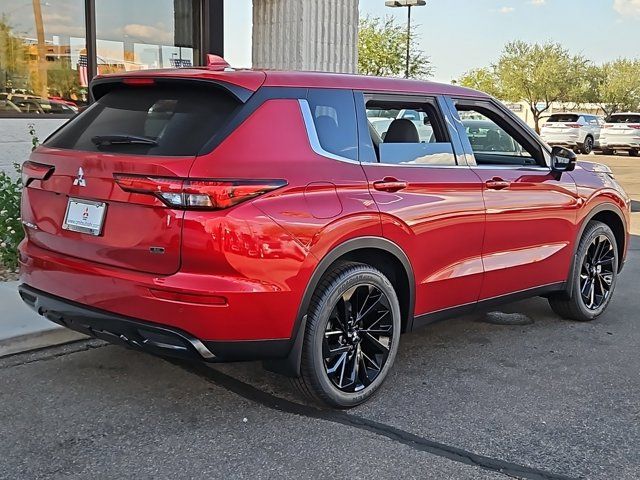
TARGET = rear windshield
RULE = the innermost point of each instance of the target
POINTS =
(564, 117)
(623, 118)
(154, 120)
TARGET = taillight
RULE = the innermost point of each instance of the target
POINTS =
(607, 125)
(573, 125)
(636, 126)
(35, 171)
(197, 194)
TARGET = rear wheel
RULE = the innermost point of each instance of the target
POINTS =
(587, 146)
(594, 277)
(352, 335)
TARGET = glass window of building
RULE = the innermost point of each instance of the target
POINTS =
(42, 68)
(141, 34)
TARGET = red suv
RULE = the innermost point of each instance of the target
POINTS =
(305, 219)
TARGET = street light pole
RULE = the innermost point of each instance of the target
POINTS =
(408, 4)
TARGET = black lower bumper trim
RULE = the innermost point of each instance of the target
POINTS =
(147, 336)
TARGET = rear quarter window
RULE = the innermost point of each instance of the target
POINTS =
(334, 116)
(177, 120)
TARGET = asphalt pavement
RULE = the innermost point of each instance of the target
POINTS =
(467, 399)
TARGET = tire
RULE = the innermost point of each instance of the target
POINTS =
(587, 147)
(594, 276)
(608, 151)
(634, 153)
(334, 379)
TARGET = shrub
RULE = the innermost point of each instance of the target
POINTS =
(11, 232)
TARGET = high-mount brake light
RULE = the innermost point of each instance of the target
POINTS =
(138, 82)
(197, 194)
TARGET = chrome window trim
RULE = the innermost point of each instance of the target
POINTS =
(535, 168)
(312, 134)
(405, 165)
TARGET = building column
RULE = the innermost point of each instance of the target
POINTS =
(306, 35)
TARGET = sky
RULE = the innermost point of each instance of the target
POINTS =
(459, 35)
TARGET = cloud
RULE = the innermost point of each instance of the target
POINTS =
(149, 33)
(538, 3)
(506, 10)
(627, 7)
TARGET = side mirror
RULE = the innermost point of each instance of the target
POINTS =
(562, 160)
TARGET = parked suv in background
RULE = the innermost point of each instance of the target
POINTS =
(578, 131)
(621, 133)
(236, 215)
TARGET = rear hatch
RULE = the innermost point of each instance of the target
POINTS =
(74, 203)
(565, 123)
(622, 125)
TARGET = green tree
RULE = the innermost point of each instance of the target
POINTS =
(483, 79)
(14, 57)
(540, 74)
(615, 86)
(382, 49)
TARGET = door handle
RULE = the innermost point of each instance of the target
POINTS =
(497, 183)
(389, 184)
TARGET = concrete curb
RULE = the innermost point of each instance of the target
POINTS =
(38, 340)
(22, 329)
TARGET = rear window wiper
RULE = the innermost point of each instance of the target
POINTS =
(106, 140)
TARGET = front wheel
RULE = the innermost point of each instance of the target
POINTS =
(634, 153)
(352, 335)
(594, 276)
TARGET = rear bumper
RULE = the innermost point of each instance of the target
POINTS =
(620, 144)
(250, 310)
(146, 336)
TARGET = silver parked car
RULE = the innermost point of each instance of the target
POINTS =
(578, 131)
(621, 133)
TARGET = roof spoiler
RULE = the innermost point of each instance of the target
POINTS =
(102, 85)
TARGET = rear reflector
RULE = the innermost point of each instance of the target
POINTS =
(35, 171)
(197, 194)
(189, 298)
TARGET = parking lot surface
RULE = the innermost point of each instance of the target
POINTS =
(467, 399)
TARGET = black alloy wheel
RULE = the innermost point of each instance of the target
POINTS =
(351, 336)
(357, 338)
(596, 276)
(591, 285)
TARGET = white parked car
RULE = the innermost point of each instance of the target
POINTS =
(578, 131)
(621, 133)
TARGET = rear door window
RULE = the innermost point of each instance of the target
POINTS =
(407, 131)
(162, 121)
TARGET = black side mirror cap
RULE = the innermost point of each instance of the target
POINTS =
(563, 160)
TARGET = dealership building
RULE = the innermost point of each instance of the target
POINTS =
(51, 49)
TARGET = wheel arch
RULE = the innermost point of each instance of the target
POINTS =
(378, 252)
